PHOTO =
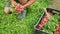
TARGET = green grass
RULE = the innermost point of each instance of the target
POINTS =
(10, 25)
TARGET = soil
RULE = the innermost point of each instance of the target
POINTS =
(55, 4)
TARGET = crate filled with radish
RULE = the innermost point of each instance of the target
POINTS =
(48, 22)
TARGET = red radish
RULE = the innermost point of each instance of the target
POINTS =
(47, 18)
(40, 26)
(43, 21)
(57, 32)
(58, 29)
(18, 8)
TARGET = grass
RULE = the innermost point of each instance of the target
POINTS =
(10, 25)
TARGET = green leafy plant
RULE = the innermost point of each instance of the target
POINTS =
(50, 26)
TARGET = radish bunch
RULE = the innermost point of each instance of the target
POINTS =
(18, 8)
(43, 21)
(58, 29)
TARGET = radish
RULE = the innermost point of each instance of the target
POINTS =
(40, 26)
(58, 29)
(45, 19)
(18, 8)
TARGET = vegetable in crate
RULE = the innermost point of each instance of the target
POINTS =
(44, 20)
(58, 28)
(51, 24)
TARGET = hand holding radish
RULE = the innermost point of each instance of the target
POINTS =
(19, 8)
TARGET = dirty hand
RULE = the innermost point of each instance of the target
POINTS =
(19, 8)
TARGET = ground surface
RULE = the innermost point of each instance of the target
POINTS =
(10, 25)
(55, 4)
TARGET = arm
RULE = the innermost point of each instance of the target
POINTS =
(13, 3)
(29, 3)
(22, 7)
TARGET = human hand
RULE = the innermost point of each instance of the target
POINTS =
(19, 8)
